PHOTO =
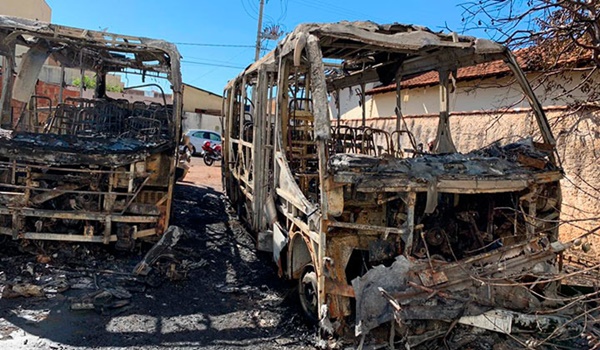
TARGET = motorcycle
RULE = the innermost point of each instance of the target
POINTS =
(211, 153)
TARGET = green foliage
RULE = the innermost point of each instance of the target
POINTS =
(90, 83)
(114, 88)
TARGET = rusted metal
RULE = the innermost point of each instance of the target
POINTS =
(366, 214)
(361, 227)
(336, 288)
(70, 215)
(88, 170)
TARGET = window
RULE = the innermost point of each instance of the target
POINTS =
(215, 137)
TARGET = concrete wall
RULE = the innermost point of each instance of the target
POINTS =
(197, 99)
(201, 121)
(350, 102)
(32, 9)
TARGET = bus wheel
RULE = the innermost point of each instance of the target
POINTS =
(308, 293)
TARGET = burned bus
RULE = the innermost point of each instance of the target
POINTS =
(86, 169)
(373, 225)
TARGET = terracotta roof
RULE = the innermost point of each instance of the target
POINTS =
(496, 68)
(528, 59)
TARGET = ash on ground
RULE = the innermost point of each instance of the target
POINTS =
(210, 290)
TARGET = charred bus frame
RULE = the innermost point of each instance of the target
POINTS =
(333, 202)
(89, 170)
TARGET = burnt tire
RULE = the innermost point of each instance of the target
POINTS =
(179, 174)
(208, 160)
(308, 294)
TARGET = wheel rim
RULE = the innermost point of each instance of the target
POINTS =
(308, 293)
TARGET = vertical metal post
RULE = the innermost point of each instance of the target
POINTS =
(531, 219)
(443, 142)
(230, 119)
(398, 111)
(7, 82)
(339, 112)
(411, 200)
(259, 95)
(62, 84)
(81, 86)
(362, 102)
(242, 163)
(322, 134)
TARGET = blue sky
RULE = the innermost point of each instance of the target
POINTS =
(233, 22)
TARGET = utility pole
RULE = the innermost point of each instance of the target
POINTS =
(259, 30)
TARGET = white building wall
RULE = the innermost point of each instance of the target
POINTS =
(193, 120)
(477, 95)
(350, 103)
(32, 9)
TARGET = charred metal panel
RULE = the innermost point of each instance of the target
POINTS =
(95, 170)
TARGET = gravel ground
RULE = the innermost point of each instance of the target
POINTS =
(221, 294)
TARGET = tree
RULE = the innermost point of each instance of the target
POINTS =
(562, 28)
(560, 36)
(88, 83)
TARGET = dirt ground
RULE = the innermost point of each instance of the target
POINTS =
(205, 176)
(212, 290)
(220, 293)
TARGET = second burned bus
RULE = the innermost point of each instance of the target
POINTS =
(370, 223)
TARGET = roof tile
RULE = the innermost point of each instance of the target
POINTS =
(528, 59)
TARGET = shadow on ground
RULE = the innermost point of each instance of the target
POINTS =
(233, 297)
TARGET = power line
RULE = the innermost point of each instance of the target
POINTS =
(236, 56)
(283, 11)
(333, 8)
(214, 45)
(203, 59)
(246, 10)
(212, 64)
